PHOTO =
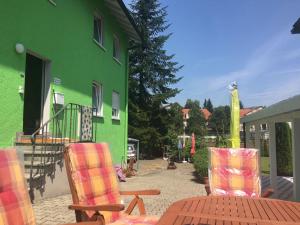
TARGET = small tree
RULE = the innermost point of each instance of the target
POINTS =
(241, 105)
(209, 106)
(284, 149)
(196, 122)
(220, 120)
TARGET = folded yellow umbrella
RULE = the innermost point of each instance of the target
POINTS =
(235, 118)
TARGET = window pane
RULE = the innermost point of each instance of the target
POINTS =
(97, 99)
(96, 30)
(115, 104)
(116, 48)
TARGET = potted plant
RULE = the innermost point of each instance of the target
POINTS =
(201, 164)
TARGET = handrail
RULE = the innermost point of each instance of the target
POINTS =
(64, 127)
(48, 121)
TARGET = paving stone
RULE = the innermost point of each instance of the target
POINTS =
(152, 174)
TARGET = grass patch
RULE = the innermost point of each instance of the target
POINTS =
(265, 165)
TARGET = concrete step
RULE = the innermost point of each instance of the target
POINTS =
(37, 164)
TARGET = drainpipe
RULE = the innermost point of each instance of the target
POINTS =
(126, 97)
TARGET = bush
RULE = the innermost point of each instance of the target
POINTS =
(284, 149)
(200, 161)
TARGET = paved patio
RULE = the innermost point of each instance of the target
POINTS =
(174, 185)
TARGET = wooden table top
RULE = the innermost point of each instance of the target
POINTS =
(221, 210)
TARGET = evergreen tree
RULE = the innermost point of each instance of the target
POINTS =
(209, 106)
(284, 149)
(241, 105)
(152, 72)
(205, 104)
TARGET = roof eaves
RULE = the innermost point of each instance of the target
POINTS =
(131, 20)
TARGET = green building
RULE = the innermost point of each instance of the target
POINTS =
(55, 52)
(63, 78)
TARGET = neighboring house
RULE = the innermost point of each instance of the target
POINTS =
(53, 53)
(263, 127)
(185, 114)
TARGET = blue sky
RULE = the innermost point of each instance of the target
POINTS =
(246, 41)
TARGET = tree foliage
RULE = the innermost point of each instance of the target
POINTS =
(152, 73)
(191, 103)
(196, 122)
(241, 105)
(220, 120)
(284, 149)
(209, 106)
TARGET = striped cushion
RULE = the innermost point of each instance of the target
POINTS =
(234, 172)
(136, 220)
(94, 176)
(15, 205)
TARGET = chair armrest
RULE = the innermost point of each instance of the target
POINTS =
(268, 193)
(106, 207)
(141, 192)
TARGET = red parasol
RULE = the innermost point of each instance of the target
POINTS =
(193, 149)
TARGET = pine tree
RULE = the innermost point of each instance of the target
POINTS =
(241, 105)
(209, 106)
(284, 149)
(152, 72)
(205, 104)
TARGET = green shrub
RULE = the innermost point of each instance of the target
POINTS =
(284, 149)
(200, 161)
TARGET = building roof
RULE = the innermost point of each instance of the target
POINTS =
(296, 27)
(248, 111)
(121, 13)
(205, 112)
(283, 107)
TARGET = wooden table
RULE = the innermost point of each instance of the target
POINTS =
(223, 210)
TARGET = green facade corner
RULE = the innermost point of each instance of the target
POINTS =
(62, 35)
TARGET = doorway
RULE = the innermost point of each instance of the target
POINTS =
(34, 93)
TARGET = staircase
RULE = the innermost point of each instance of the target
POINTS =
(43, 150)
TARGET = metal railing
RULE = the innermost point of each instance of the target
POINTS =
(69, 124)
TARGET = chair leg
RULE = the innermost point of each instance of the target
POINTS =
(131, 206)
(141, 206)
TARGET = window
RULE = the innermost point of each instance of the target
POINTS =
(97, 99)
(115, 105)
(116, 50)
(98, 29)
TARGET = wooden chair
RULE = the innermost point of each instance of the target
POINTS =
(235, 172)
(95, 190)
(15, 205)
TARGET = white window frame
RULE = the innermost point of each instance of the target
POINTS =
(99, 98)
(115, 106)
(116, 48)
(100, 40)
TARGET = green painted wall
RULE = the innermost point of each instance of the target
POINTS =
(63, 34)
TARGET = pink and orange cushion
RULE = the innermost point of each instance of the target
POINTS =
(15, 205)
(234, 172)
(95, 181)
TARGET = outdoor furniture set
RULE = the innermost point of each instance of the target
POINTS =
(233, 194)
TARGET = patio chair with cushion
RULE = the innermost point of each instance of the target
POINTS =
(95, 190)
(15, 205)
(235, 171)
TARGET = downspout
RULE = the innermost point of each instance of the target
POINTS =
(126, 100)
